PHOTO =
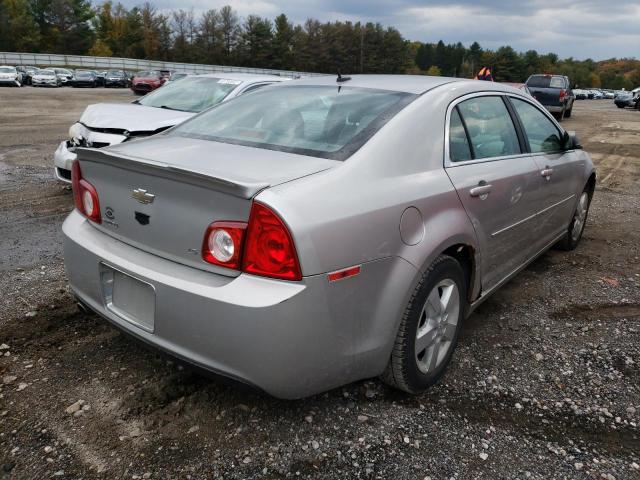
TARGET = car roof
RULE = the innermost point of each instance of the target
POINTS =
(245, 77)
(400, 83)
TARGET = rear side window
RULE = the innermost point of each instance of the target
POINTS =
(489, 126)
(459, 149)
(542, 134)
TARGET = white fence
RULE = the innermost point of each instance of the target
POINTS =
(76, 61)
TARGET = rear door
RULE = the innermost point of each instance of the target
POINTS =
(559, 171)
(495, 179)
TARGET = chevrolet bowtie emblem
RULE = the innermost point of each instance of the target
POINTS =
(143, 196)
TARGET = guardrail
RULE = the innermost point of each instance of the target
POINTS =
(116, 63)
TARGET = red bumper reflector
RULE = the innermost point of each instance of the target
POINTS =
(347, 272)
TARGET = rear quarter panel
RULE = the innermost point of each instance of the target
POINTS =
(351, 215)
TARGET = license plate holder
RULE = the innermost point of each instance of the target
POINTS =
(128, 297)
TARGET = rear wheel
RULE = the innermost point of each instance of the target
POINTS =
(429, 329)
(578, 222)
(567, 114)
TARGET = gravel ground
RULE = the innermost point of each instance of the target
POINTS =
(545, 383)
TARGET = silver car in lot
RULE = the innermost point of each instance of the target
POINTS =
(319, 232)
(45, 78)
(105, 124)
(10, 76)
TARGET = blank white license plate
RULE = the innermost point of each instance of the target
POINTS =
(131, 299)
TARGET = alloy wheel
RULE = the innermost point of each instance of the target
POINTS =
(580, 217)
(437, 325)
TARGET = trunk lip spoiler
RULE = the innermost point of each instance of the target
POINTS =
(237, 188)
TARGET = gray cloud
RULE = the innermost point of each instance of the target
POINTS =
(578, 28)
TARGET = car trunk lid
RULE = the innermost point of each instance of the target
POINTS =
(161, 194)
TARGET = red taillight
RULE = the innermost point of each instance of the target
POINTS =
(563, 94)
(269, 249)
(262, 247)
(85, 195)
(223, 244)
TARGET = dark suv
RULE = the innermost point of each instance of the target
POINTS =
(554, 92)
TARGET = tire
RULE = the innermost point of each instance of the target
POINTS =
(619, 106)
(414, 371)
(567, 114)
(578, 222)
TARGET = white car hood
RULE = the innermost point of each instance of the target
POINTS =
(132, 117)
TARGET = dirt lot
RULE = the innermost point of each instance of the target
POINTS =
(545, 383)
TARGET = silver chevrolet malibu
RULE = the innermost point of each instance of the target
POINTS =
(324, 230)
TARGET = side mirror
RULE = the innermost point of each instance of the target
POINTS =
(571, 141)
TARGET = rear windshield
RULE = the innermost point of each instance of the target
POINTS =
(191, 94)
(320, 121)
(546, 81)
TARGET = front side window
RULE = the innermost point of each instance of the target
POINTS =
(320, 121)
(489, 126)
(542, 134)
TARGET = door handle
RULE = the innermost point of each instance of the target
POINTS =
(480, 191)
(547, 172)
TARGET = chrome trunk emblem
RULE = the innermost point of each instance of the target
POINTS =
(142, 196)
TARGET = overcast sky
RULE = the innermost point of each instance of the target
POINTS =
(597, 29)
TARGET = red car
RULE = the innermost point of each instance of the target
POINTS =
(145, 82)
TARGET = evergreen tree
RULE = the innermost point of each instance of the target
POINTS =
(256, 40)
(19, 31)
(282, 45)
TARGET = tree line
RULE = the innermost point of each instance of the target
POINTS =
(221, 36)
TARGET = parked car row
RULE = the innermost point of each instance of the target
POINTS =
(300, 235)
(140, 82)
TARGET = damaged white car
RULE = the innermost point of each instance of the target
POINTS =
(105, 124)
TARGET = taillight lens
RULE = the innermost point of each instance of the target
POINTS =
(269, 249)
(262, 247)
(563, 93)
(85, 195)
(223, 244)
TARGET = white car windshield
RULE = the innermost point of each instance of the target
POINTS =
(7, 70)
(321, 121)
(191, 94)
(46, 73)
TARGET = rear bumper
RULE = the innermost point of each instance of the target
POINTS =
(554, 108)
(290, 339)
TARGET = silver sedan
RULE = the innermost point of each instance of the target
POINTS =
(324, 230)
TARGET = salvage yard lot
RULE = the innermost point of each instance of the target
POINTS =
(545, 382)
